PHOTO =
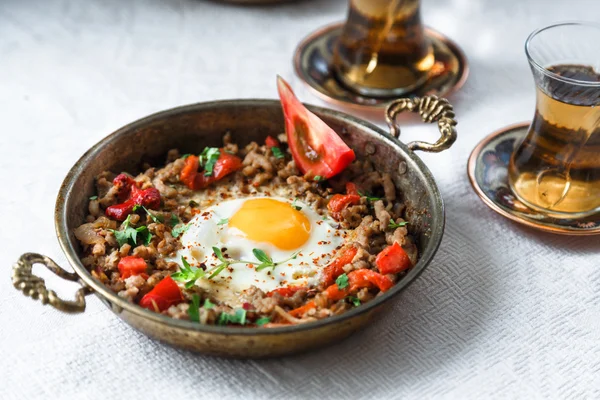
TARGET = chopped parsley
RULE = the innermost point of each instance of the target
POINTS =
(174, 220)
(194, 310)
(263, 320)
(127, 234)
(296, 206)
(353, 300)
(188, 274)
(342, 281)
(318, 178)
(208, 159)
(185, 156)
(94, 198)
(238, 318)
(277, 152)
(179, 230)
(193, 204)
(208, 304)
(394, 225)
(223, 221)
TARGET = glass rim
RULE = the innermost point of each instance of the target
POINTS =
(545, 70)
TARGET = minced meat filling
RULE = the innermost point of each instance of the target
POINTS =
(132, 245)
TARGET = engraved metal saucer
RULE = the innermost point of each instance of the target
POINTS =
(488, 173)
(313, 56)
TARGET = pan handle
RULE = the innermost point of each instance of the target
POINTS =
(31, 285)
(432, 109)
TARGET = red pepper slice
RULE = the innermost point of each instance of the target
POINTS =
(316, 148)
(131, 265)
(336, 268)
(225, 165)
(130, 196)
(392, 259)
(334, 293)
(363, 278)
(123, 184)
(286, 291)
(271, 142)
(340, 201)
(164, 295)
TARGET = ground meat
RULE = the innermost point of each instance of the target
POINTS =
(262, 174)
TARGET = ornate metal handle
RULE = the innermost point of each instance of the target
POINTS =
(24, 280)
(431, 109)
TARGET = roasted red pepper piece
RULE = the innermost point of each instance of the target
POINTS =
(131, 265)
(351, 188)
(334, 293)
(123, 184)
(286, 291)
(363, 278)
(120, 211)
(130, 196)
(316, 148)
(164, 295)
(300, 311)
(271, 142)
(340, 201)
(225, 165)
(392, 259)
(336, 268)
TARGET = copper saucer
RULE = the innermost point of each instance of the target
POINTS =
(312, 61)
(488, 173)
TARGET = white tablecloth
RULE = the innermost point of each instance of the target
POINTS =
(502, 311)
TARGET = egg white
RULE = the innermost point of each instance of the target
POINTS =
(209, 228)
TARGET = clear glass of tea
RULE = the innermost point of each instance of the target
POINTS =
(556, 169)
(383, 50)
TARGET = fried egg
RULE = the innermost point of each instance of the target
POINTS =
(294, 236)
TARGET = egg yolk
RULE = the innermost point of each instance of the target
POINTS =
(272, 221)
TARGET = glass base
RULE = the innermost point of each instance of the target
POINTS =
(549, 212)
(378, 92)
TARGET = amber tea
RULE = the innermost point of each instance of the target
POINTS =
(557, 167)
(383, 49)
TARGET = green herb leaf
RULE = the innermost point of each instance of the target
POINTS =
(194, 310)
(262, 256)
(372, 199)
(394, 225)
(193, 204)
(145, 235)
(277, 152)
(179, 230)
(270, 264)
(208, 159)
(219, 254)
(353, 300)
(238, 318)
(127, 234)
(188, 274)
(136, 207)
(217, 270)
(263, 320)
(156, 219)
(296, 206)
(185, 156)
(208, 304)
(318, 178)
(174, 220)
(342, 281)
(94, 198)
(223, 221)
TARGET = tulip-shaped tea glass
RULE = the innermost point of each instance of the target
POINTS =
(556, 169)
(383, 50)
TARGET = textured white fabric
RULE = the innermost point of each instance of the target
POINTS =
(502, 312)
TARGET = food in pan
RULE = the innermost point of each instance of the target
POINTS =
(288, 231)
